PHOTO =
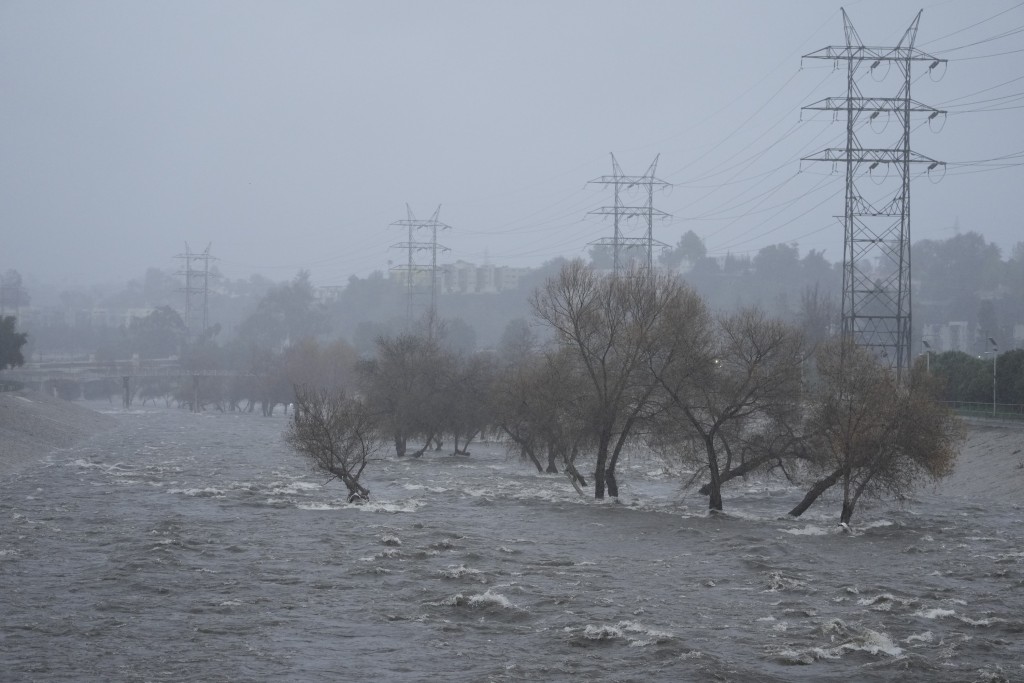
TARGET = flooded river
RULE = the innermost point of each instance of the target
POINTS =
(184, 547)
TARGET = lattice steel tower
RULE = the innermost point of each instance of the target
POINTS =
(620, 212)
(197, 285)
(876, 256)
(419, 275)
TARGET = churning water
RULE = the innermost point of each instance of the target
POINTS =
(198, 547)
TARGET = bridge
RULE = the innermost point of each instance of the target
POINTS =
(45, 376)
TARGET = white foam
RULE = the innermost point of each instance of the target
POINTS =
(208, 492)
(809, 530)
(884, 602)
(479, 600)
(981, 622)
(925, 637)
(934, 613)
(487, 599)
(454, 571)
(604, 632)
(637, 634)
(317, 507)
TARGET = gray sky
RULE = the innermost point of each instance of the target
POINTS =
(291, 134)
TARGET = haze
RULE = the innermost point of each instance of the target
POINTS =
(291, 135)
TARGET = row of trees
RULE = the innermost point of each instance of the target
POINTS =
(968, 378)
(638, 361)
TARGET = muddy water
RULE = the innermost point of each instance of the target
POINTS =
(184, 547)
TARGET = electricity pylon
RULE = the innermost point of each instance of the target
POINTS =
(412, 247)
(876, 305)
(621, 212)
(197, 285)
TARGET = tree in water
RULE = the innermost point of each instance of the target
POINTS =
(11, 343)
(871, 434)
(734, 403)
(338, 434)
(542, 406)
(403, 384)
(612, 323)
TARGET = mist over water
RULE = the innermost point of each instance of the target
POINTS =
(198, 547)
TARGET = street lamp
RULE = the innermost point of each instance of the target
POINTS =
(995, 352)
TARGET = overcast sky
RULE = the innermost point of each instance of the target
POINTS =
(292, 134)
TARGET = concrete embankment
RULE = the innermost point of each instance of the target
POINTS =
(991, 463)
(33, 425)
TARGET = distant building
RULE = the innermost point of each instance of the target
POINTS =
(951, 336)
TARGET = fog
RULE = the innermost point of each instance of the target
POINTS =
(291, 135)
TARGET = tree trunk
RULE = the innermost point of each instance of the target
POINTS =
(400, 444)
(819, 488)
(847, 513)
(552, 467)
(356, 492)
(602, 461)
(578, 482)
(848, 508)
(527, 452)
(715, 485)
(613, 485)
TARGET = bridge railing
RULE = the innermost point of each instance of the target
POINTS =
(1001, 411)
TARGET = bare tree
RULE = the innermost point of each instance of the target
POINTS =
(873, 435)
(542, 406)
(338, 434)
(404, 385)
(738, 396)
(612, 325)
(468, 399)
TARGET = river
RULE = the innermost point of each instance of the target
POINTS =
(183, 547)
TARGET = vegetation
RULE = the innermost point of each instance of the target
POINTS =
(871, 435)
(11, 342)
(597, 367)
(338, 435)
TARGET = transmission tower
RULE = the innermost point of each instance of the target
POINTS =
(876, 311)
(414, 270)
(196, 270)
(620, 213)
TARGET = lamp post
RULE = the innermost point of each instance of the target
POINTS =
(995, 352)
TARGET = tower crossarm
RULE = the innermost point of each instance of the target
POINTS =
(873, 155)
(879, 104)
(626, 181)
(628, 211)
(876, 54)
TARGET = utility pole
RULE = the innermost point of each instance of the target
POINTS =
(412, 246)
(876, 308)
(621, 212)
(196, 270)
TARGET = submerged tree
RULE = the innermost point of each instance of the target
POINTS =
(11, 342)
(338, 434)
(404, 385)
(542, 406)
(735, 402)
(873, 435)
(612, 325)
